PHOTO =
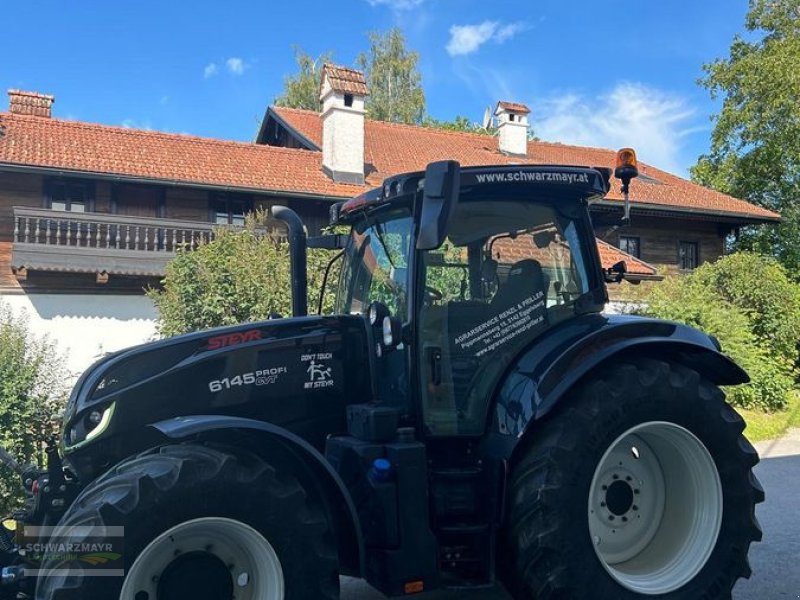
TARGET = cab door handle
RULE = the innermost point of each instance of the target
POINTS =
(435, 358)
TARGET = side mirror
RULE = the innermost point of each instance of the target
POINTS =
(440, 192)
(616, 272)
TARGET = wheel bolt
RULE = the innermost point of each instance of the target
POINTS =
(602, 504)
(625, 519)
(634, 507)
(605, 487)
(629, 478)
(610, 517)
(615, 476)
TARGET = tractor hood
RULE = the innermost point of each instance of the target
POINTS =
(289, 372)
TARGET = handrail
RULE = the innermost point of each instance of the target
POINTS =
(107, 231)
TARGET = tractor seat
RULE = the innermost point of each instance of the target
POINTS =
(525, 279)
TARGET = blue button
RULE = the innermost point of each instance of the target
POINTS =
(382, 465)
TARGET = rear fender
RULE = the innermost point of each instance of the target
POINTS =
(284, 447)
(542, 377)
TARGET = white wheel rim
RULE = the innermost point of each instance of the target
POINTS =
(655, 508)
(254, 566)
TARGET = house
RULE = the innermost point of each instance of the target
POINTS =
(90, 214)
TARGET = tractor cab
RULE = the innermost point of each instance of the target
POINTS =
(467, 273)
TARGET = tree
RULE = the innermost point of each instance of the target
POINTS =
(755, 327)
(394, 83)
(460, 123)
(755, 145)
(241, 275)
(32, 396)
(761, 288)
(302, 89)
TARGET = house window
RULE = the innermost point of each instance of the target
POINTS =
(631, 245)
(348, 99)
(230, 209)
(71, 196)
(687, 255)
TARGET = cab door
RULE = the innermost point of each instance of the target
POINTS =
(507, 271)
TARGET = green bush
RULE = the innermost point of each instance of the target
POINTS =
(762, 288)
(241, 275)
(32, 396)
(692, 301)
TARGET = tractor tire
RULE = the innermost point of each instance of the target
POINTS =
(201, 523)
(641, 486)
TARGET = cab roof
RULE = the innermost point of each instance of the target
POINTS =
(581, 182)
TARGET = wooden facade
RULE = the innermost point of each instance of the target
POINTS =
(116, 237)
(69, 234)
(660, 240)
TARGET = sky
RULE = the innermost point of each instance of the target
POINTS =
(606, 74)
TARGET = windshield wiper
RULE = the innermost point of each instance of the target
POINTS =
(380, 233)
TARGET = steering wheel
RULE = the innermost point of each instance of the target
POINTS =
(432, 294)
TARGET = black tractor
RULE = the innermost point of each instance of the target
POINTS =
(468, 415)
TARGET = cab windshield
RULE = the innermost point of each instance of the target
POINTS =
(376, 263)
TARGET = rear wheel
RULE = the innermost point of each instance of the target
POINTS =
(200, 523)
(641, 488)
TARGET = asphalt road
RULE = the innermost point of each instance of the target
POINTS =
(775, 561)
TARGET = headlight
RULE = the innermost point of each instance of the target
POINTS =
(88, 427)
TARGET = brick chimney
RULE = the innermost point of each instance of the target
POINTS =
(512, 123)
(342, 94)
(30, 103)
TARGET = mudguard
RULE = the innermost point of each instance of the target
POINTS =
(542, 375)
(319, 474)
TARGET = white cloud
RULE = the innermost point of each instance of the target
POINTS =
(466, 39)
(210, 70)
(235, 65)
(506, 32)
(652, 121)
(396, 4)
(134, 124)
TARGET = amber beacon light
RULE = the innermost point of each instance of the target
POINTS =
(626, 168)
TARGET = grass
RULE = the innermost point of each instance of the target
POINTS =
(768, 426)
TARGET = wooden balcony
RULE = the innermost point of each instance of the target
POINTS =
(48, 240)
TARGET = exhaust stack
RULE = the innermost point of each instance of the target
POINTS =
(297, 257)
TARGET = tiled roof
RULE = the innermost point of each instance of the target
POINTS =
(344, 79)
(512, 107)
(86, 147)
(392, 148)
(609, 255)
(389, 149)
(30, 103)
(508, 251)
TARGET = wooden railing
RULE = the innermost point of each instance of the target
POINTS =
(106, 232)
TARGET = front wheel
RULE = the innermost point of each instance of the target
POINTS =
(199, 523)
(642, 488)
